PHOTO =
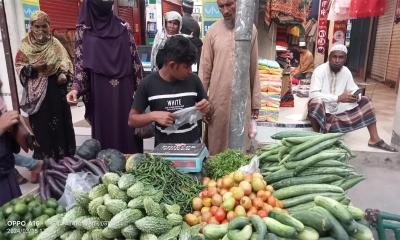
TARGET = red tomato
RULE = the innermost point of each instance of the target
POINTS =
(213, 210)
(220, 214)
(262, 213)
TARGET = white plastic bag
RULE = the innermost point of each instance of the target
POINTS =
(81, 181)
(252, 167)
(184, 116)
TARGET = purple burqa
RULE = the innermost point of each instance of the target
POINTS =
(107, 60)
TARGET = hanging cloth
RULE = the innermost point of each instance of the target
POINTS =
(367, 8)
(339, 10)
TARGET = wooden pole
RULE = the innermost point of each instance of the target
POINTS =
(8, 57)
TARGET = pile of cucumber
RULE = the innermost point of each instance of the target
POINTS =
(333, 220)
(306, 164)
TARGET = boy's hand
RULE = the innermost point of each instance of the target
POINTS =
(7, 120)
(203, 106)
(72, 97)
(165, 119)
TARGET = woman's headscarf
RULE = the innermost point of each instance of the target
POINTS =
(33, 50)
(106, 43)
(162, 36)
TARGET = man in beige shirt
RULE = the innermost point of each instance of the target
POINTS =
(216, 73)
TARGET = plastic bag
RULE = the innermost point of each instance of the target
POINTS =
(81, 181)
(184, 116)
(252, 167)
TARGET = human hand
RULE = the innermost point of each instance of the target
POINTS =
(62, 79)
(165, 119)
(40, 65)
(7, 120)
(254, 113)
(347, 97)
(203, 106)
(72, 97)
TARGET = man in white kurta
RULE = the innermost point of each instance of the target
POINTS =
(335, 105)
(216, 73)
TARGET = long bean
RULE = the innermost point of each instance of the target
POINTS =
(178, 188)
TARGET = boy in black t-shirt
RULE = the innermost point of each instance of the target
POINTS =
(172, 88)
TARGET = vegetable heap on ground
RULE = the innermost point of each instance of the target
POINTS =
(231, 196)
(24, 218)
(120, 207)
(225, 163)
(328, 220)
(178, 188)
(301, 167)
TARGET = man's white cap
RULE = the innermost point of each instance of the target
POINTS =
(302, 44)
(339, 47)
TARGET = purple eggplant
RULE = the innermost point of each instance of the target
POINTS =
(79, 164)
(101, 164)
(68, 166)
(42, 186)
(53, 186)
(93, 168)
(57, 174)
(57, 166)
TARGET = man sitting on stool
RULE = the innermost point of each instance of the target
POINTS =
(335, 105)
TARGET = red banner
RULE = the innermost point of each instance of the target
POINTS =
(322, 34)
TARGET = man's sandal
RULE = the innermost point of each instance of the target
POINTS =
(383, 146)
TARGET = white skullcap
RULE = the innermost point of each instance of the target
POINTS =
(338, 47)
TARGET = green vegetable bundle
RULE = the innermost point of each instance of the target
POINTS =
(179, 188)
(225, 163)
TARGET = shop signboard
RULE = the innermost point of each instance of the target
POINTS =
(28, 7)
(322, 33)
(339, 32)
(211, 14)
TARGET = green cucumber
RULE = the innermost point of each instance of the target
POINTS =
(286, 134)
(357, 213)
(363, 233)
(314, 220)
(308, 234)
(313, 149)
(343, 172)
(238, 223)
(214, 231)
(305, 180)
(286, 219)
(244, 234)
(280, 229)
(291, 202)
(335, 208)
(297, 190)
(351, 182)
(337, 231)
(312, 160)
(259, 226)
(313, 142)
(279, 175)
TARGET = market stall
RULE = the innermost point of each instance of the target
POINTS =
(293, 189)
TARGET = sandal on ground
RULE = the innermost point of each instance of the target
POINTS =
(383, 146)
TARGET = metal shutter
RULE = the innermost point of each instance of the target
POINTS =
(168, 6)
(382, 43)
(394, 55)
(63, 13)
(127, 14)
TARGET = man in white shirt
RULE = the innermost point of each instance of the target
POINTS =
(336, 105)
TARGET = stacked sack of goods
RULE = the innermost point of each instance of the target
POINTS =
(270, 75)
